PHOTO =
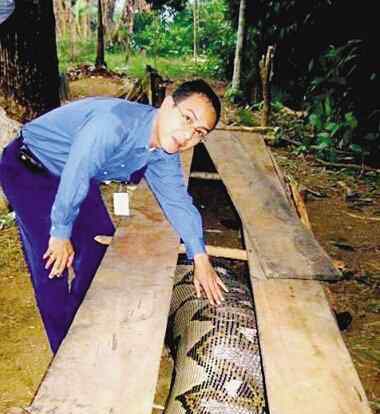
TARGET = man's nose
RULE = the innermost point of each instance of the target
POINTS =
(186, 135)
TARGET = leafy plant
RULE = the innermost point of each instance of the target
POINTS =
(246, 117)
(332, 131)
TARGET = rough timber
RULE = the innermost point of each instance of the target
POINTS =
(307, 367)
(109, 362)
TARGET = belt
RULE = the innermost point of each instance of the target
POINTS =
(30, 160)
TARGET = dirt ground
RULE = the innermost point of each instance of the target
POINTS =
(347, 228)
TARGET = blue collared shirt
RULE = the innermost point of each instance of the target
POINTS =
(108, 139)
(7, 7)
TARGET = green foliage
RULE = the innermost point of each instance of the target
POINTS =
(246, 117)
(82, 52)
(333, 110)
(314, 60)
(332, 74)
(163, 34)
(233, 95)
(169, 67)
(168, 5)
(332, 131)
(166, 35)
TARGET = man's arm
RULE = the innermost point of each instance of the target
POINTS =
(165, 178)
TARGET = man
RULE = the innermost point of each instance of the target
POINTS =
(51, 173)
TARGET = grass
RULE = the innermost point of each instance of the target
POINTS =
(169, 67)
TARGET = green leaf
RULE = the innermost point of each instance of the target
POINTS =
(324, 137)
(332, 126)
(322, 146)
(316, 121)
(351, 120)
(327, 106)
(356, 148)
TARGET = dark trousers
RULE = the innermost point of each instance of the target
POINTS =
(31, 195)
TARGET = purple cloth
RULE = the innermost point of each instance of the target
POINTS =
(31, 195)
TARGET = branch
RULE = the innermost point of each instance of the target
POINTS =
(343, 165)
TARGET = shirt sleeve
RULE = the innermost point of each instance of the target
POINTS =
(166, 180)
(92, 145)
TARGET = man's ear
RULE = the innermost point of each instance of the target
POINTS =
(168, 102)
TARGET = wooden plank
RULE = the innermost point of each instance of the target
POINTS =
(307, 367)
(256, 269)
(284, 247)
(261, 157)
(109, 362)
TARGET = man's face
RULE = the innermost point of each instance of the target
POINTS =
(182, 126)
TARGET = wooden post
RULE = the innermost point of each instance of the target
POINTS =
(266, 74)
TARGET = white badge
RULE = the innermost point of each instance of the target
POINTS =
(121, 204)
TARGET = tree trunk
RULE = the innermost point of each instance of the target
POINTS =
(195, 29)
(100, 62)
(239, 47)
(28, 57)
(120, 35)
(86, 23)
(109, 14)
(73, 34)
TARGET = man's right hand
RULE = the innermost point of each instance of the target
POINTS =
(60, 254)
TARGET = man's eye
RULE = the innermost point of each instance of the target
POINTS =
(188, 119)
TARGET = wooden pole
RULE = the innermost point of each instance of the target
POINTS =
(195, 30)
(266, 74)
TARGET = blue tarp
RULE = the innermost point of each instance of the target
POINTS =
(6, 9)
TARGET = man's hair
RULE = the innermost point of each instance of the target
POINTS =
(198, 86)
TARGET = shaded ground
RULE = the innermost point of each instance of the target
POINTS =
(24, 353)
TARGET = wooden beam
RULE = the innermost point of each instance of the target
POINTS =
(284, 247)
(239, 128)
(255, 267)
(205, 175)
(307, 367)
(226, 252)
(110, 359)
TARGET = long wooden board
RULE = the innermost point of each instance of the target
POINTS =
(307, 367)
(284, 247)
(109, 362)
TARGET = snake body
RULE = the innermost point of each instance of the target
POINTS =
(217, 363)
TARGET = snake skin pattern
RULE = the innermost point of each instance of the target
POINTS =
(217, 363)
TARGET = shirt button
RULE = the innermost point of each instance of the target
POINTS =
(122, 165)
(105, 172)
(53, 228)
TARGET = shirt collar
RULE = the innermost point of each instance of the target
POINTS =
(144, 129)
